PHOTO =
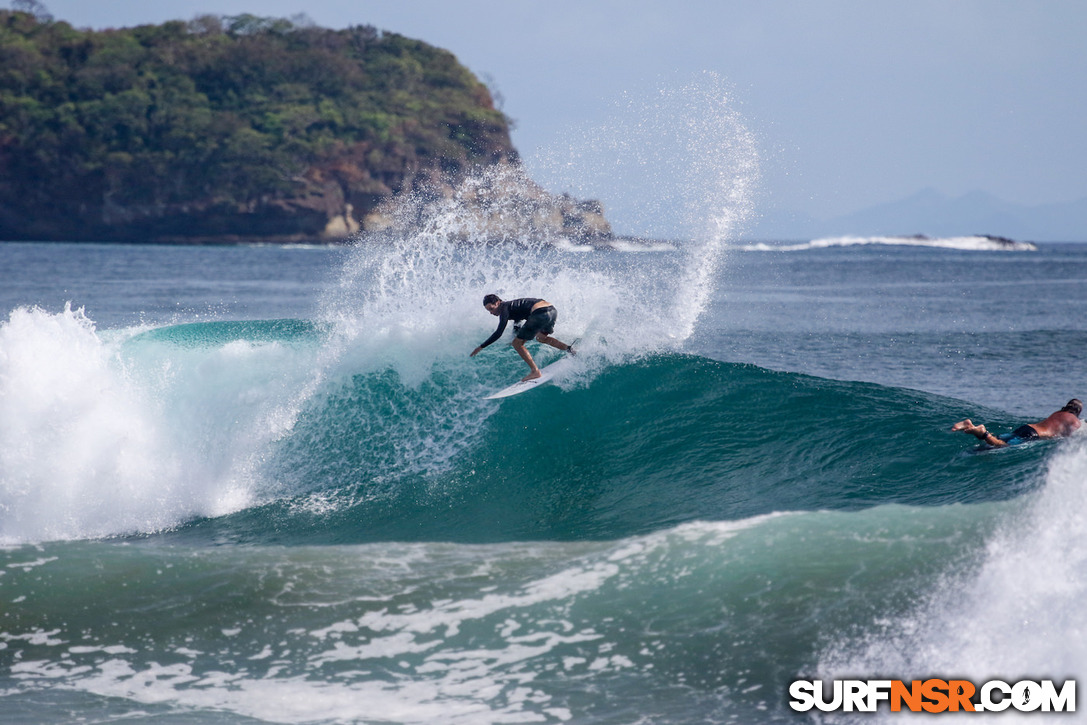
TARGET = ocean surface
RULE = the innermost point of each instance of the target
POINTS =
(260, 484)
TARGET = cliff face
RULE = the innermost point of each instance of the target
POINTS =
(230, 128)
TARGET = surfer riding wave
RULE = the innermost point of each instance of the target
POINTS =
(539, 322)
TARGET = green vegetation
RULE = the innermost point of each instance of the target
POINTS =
(224, 126)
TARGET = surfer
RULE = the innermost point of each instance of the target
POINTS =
(1058, 425)
(539, 316)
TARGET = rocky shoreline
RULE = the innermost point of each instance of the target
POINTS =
(507, 207)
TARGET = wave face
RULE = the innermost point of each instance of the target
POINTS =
(644, 446)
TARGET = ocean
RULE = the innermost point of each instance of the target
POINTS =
(261, 484)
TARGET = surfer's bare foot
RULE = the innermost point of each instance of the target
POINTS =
(966, 426)
(531, 376)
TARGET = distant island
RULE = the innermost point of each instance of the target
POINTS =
(236, 128)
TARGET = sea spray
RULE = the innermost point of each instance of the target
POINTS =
(682, 165)
(411, 299)
(421, 289)
(724, 172)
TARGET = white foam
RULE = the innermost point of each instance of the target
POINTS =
(283, 700)
(98, 438)
(75, 440)
(964, 243)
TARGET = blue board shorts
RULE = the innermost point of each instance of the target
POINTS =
(1022, 434)
(541, 320)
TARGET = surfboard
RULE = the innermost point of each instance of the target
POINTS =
(547, 374)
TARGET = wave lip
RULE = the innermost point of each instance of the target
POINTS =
(971, 243)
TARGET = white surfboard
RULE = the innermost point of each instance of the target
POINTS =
(547, 374)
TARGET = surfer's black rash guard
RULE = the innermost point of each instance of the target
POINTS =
(511, 310)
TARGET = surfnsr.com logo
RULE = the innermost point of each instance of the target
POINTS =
(934, 695)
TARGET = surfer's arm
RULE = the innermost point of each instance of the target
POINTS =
(503, 318)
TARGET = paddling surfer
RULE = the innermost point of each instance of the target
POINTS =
(1058, 425)
(539, 316)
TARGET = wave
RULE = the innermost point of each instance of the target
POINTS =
(976, 243)
(279, 430)
(644, 446)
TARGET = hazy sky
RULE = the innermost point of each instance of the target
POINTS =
(852, 103)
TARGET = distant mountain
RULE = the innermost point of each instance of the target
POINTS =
(934, 214)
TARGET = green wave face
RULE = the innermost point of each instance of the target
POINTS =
(644, 446)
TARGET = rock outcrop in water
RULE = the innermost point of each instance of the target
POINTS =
(496, 203)
(237, 128)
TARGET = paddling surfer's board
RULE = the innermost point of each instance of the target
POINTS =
(547, 373)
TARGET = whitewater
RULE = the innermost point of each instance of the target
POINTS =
(262, 485)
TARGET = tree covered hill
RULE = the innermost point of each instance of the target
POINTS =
(226, 127)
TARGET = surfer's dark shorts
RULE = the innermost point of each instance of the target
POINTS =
(1022, 434)
(541, 320)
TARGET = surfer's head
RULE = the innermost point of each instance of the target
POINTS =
(491, 302)
(1073, 406)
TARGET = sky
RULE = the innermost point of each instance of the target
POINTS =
(850, 103)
